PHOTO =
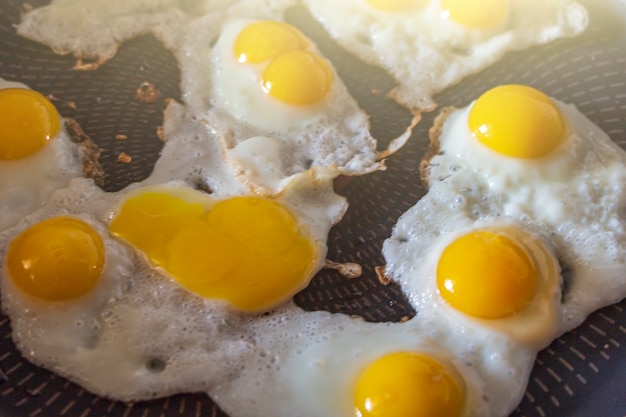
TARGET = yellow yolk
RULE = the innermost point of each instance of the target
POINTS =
(27, 121)
(486, 275)
(265, 40)
(57, 259)
(408, 384)
(298, 77)
(392, 4)
(516, 121)
(246, 250)
(293, 73)
(476, 14)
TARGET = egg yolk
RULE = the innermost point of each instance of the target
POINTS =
(408, 384)
(486, 275)
(393, 4)
(261, 41)
(516, 121)
(27, 121)
(246, 250)
(294, 73)
(57, 259)
(476, 14)
(283, 77)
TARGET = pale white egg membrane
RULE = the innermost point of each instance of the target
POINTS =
(26, 183)
(426, 54)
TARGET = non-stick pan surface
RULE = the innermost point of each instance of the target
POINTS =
(582, 374)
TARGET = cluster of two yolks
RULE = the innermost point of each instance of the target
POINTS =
(484, 274)
(246, 250)
(292, 71)
(477, 14)
(29, 121)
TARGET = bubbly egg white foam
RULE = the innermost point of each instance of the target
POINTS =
(426, 54)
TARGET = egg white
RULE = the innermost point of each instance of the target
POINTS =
(26, 183)
(425, 53)
(311, 361)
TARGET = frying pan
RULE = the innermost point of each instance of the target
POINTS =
(581, 374)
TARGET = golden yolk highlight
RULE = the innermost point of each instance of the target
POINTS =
(392, 4)
(264, 40)
(408, 384)
(246, 250)
(517, 121)
(57, 259)
(486, 275)
(476, 14)
(27, 121)
(294, 73)
(298, 77)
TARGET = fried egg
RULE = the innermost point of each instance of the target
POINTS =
(516, 163)
(36, 153)
(428, 45)
(264, 78)
(322, 364)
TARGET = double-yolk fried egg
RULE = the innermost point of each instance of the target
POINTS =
(264, 79)
(36, 153)
(428, 45)
(516, 167)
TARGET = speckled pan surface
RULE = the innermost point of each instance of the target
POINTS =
(582, 374)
